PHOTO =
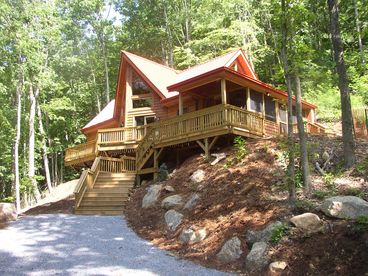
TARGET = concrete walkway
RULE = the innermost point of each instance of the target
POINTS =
(60, 244)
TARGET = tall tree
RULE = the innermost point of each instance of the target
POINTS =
(291, 153)
(302, 137)
(343, 83)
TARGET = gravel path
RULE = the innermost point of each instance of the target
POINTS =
(84, 245)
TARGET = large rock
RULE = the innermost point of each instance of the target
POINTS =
(307, 222)
(173, 219)
(230, 251)
(173, 201)
(262, 235)
(191, 236)
(8, 212)
(150, 198)
(192, 201)
(197, 176)
(276, 268)
(169, 189)
(345, 207)
(257, 259)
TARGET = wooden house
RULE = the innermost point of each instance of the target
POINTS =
(157, 108)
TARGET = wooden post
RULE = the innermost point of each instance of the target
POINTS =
(263, 105)
(312, 115)
(248, 98)
(206, 149)
(181, 109)
(155, 164)
(223, 91)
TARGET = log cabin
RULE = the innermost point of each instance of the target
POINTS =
(157, 108)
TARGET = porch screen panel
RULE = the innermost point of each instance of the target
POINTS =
(270, 107)
(238, 98)
(256, 101)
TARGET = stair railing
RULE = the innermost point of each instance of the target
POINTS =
(86, 181)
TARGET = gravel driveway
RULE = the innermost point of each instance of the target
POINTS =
(84, 245)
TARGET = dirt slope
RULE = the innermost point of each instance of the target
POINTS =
(237, 196)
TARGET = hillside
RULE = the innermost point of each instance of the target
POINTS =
(239, 197)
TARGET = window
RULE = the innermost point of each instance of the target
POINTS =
(146, 102)
(283, 113)
(144, 120)
(256, 101)
(139, 87)
(270, 108)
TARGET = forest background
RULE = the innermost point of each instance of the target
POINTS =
(60, 59)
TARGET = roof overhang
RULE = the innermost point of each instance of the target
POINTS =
(233, 76)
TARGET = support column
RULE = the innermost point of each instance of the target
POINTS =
(206, 149)
(223, 91)
(248, 98)
(181, 109)
(155, 164)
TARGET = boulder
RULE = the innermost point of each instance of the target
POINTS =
(262, 235)
(150, 198)
(276, 268)
(230, 251)
(191, 236)
(345, 207)
(257, 259)
(307, 222)
(197, 176)
(8, 212)
(173, 201)
(192, 201)
(173, 219)
(169, 189)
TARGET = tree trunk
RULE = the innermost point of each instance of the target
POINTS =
(17, 141)
(302, 138)
(104, 52)
(44, 149)
(291, 154)
(31, 143)
(347, 127)
(361, 49)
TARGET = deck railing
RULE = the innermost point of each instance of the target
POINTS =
(125, 164)
(201, 121)
(81, 152)
(114, 136)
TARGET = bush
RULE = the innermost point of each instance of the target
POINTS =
(278, 232)
(240, 148)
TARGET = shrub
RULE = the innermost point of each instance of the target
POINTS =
(278, 232)
(240, 148)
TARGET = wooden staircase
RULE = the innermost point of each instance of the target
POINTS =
(101, 192)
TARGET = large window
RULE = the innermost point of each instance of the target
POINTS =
(270, 108)
(146, 102)
(256, 101)
(139, 87)
(144, 120)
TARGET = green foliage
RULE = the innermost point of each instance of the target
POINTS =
(305, 205)
(240, 146)
(362, 167)
(278, 232)
(9, 199)
(351, 191)
(361, 224)
(323, 194)
(329, 178)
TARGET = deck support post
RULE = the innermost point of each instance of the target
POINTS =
(207, 146)
(155, 164)
(223, 91)
(138, 180)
